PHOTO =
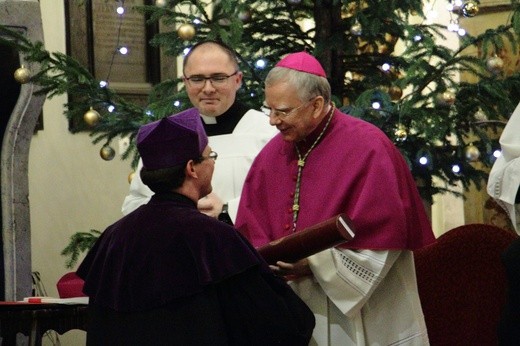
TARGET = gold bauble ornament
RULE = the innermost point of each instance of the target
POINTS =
(91, 117)
(395, 92)
(22, 75)
(107, 153)
(447, 98)
(470, 9)
(495, 64)
(131, 176)
(471, 153)
(186, 31)
(401, 134)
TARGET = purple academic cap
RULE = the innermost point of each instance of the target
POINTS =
(304, 62)
(172, 140)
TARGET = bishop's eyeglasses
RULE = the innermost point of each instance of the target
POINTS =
(283, 114)
(217, 79)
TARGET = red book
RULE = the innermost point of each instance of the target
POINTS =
(329, 233)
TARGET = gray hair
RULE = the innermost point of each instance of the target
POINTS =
(308, 85)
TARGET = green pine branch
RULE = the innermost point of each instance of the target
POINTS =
(80, 242)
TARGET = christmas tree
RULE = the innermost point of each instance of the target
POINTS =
(382, 67)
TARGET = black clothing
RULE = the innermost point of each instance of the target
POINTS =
(227, 121)
(509, 327)
(167, 274)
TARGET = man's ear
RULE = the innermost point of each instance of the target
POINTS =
(190, 169)
(318, 105)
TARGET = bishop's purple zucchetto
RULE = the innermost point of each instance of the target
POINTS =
(303, 62)
(172, 140)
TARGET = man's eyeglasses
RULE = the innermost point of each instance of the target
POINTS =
(215, 79)
(212, 155)
(283, 114)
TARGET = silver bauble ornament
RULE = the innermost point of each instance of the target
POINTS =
(471, 153)
(356, 29)
(91, 117)
(244, 16)
(186, 31)
(22, 75)
(107, 153)
(495, 64)
(445, 99)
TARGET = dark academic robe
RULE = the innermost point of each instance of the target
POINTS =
(167, 274)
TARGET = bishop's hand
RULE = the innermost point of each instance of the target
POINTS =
(292, 271)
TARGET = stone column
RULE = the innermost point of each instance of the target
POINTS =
(25, 16)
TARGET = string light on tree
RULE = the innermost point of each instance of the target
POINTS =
(423, 160)
(455, 169)
(260, 64)
(22, 75)
(453, 25)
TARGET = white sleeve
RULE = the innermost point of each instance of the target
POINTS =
(503, 184)
(139, 193)
(256, 122)
(504, 178)
(236, 153)
(349, 277)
